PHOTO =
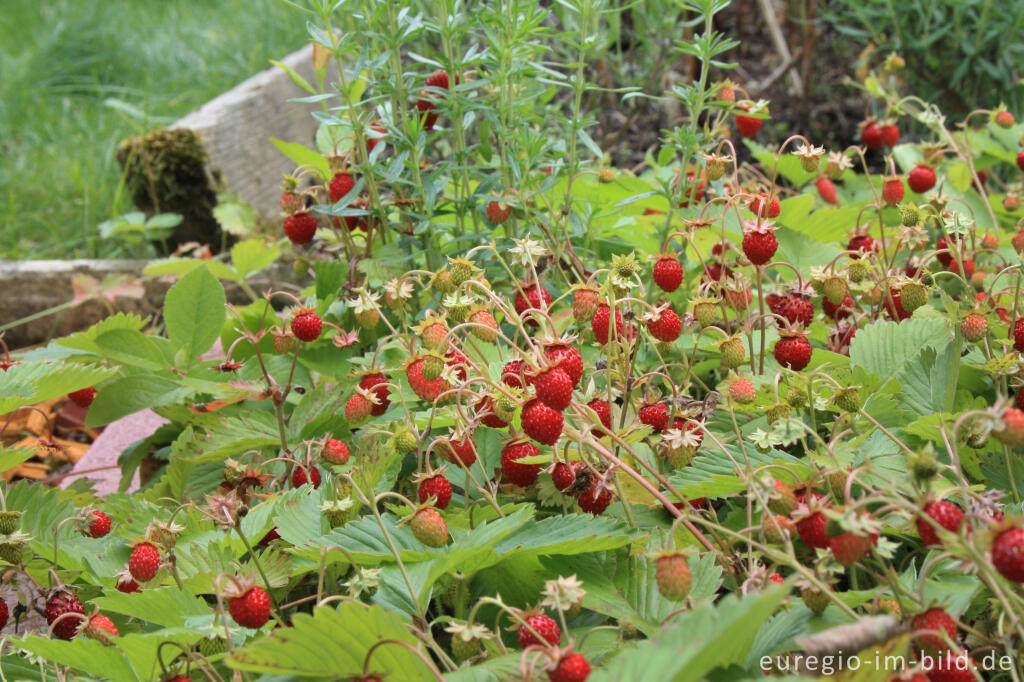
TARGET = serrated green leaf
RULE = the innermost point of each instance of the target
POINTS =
(884, 348)
(194, 312)
(129, 394)
(713, 474)
(86, 341)
(87, 655)
(28, 383)
(302, 155)
(696, 642)
(334, 644)
(166, 606)
(253, 255)
(130, 347)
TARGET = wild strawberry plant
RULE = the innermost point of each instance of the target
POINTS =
(532, 417)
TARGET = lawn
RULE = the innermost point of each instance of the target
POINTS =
(80, 75)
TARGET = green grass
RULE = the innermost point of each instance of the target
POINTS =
(77, 76)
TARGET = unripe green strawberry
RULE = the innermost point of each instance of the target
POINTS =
(856, 271)
(462, 270)
(924, 466)
(457, 312)
(778, 411)
(433, 365)
(429, 527)
(9, 521)
(705, 311)
(910, 216)
(404, 440)
(974, 327)
(673, 576)
(463, 650)
(504, 407)
(834, 289)
(913, 296)
(848, 399)
(442, 282)
(814, 599)
(12, 552)
(733, 352)
(338, 512)
(796, 397)
(368, 318)
(211, 646)
(782, 500)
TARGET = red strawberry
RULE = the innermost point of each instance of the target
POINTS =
(127, 584)
(848, 548)
(892, 191)
(83, 397)
(935, 620)
(571, 667)
(357, 408)
(666, 326)
(1008, 554)
(300, 476)
(952, 667)
(101, 628)
(306, 325)
(1004, 119)
(513, 374)
(812, 530)
(759, 243)
(438, 487)
(532, 296)
(595, 501)
(59, 604)
(871, 135)
(747, 125)
(673, 576)
(544, 626)
(144, 561)
(655, 416)
(742, 391)
(921, 179)
(335, 451)
(1012, 433)
(943, 253)
(863, 243)
(428, 113)
(796, 308)
(563, 475)
(827, 190)
(890, 134)
(793, 350)
(946, 514)
(519, 474)
(894, 305)
(566, 357)
(341, 184)
(1017, 334)
(4, 614)
(600, 323)
(376, 383)
(668, 273)
(554, 388)
(837, 312)
(1020, 159)
(462, 451)
(428, 391)
(99, 524)
(761, 206)
(498, 212)
(584, 303)
(439, 79)
(251, 609)
(604, 411)
(300, 227)
(483, 325)
(180, 678)
(290, 201)
(429, 527)
(541, 423)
